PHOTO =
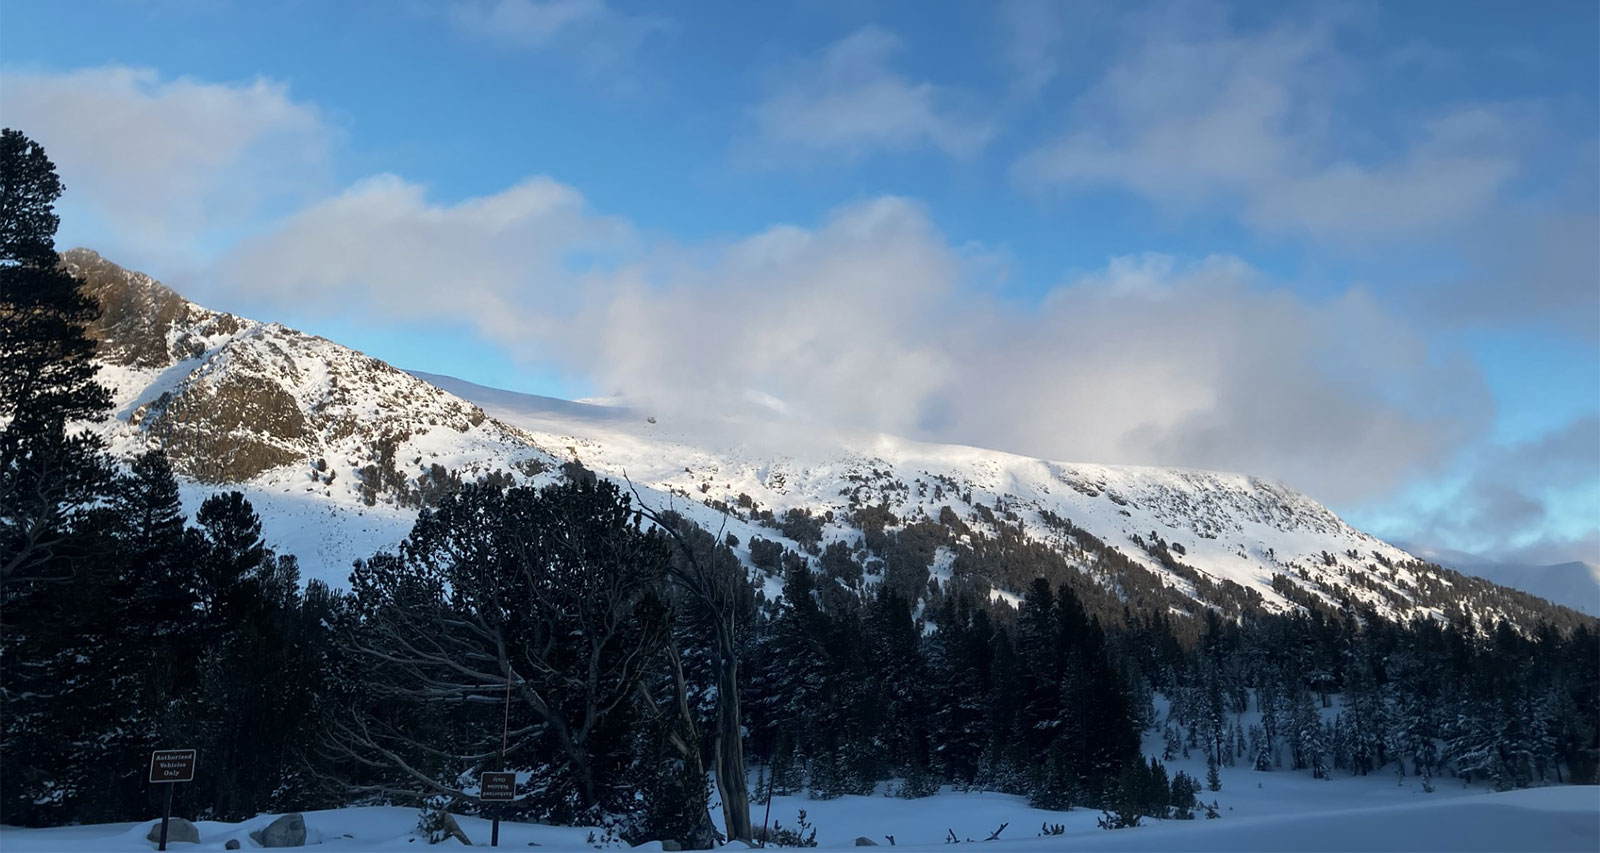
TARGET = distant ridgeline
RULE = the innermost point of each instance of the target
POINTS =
(915, 614)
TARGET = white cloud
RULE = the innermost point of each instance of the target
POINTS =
(601, 40)
(1534, 501)
(1043, 40)
(500, 262)
(527, 22)
(870, 320)
(1267, 122)
(849, 101)
(152, 162)
(1034, 33)
(1528, 267)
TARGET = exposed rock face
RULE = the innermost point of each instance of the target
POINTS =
(230, 398)
(142, 323)
(228, 431)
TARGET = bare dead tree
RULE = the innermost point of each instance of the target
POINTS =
(718, 594)
(552, 595)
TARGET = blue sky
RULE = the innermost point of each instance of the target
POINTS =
(1351, 246)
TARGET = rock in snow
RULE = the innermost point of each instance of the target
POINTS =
(286, 831)
(178, 829)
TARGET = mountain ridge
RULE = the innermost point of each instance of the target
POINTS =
(1573, 583)
(338, 451)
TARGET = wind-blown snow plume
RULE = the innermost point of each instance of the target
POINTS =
(873, 320)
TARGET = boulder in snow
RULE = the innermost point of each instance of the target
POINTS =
(178, 830)
(286, 831)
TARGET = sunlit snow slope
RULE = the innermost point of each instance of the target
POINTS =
(337, 451)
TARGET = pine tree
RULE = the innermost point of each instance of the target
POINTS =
(961, 663)
(1184, 790)
(1172, 743)
(1541, 728)
(146, 504)
(1473, 745)
(1364, 721)
(232, 547)
(47, 474)
(1308, 739)
(57, 592)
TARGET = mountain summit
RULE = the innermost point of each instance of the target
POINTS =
(338, 451)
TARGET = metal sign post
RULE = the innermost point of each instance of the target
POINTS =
(497, 788)
(170, 766)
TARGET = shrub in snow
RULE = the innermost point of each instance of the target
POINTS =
(1117, 820)
(803, 835)
(435, 824)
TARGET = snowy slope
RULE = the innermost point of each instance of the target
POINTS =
(293, 421)
(1230, 526)
(337, 451)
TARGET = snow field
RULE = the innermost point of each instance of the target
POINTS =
(1339, 817)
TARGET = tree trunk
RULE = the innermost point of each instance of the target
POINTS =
(732, 785)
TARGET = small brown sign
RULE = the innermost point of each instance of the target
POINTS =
(172, 765)
(497, 786)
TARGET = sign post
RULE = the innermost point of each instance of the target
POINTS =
(497, 788)
(170, 766)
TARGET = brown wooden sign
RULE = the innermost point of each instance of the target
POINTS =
(497, 786)
(172, 765)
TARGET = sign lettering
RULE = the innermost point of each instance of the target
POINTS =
(500, 787)
(172, 765)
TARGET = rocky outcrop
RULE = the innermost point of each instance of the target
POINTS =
(143, 323)
(228, 431)
(230, 399)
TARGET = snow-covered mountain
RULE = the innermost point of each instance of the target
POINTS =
(1574, 584)
(337, 451)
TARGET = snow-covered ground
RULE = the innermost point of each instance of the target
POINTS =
(1344, 814)
(1278, 810)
